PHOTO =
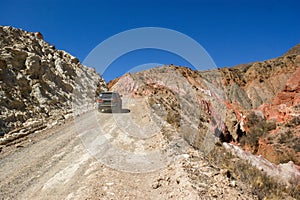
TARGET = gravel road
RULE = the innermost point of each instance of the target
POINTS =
(110, 156)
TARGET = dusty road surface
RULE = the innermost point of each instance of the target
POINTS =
(111, 156)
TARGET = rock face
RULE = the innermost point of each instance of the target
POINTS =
(40, 83)
(230, 101)
(254, 106)
(270, 91)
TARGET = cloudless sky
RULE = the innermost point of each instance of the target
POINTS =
(232, 32)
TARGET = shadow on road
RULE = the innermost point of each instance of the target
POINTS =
(116, 111)
(125, 111)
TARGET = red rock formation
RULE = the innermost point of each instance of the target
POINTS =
(226, 98)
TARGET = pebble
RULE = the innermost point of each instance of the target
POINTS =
(232, 184)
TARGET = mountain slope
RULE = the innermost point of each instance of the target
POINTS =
(39, 82)
(254, 106)
(270, 89)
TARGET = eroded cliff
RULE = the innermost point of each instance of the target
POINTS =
(39, 82)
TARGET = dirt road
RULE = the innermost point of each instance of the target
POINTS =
(111, 156)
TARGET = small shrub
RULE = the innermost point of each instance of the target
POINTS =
(258, 127)
(268, 126)
(284, 137)
(173, 118)
(294, 122)
(296, 147)
(151, 101)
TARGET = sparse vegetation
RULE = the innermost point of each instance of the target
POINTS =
(261, 184)
(294, 122)
(173, 117)
(285, 137)
(258, 127)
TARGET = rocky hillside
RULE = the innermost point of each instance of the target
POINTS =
(264, 97)
(294, 50)
(40, 83)
(236, 99)
(253, 106)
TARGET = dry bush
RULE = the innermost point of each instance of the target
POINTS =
(262, 185)
(258, 127)
(294, 122)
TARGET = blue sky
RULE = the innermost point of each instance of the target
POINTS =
(232, 32)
